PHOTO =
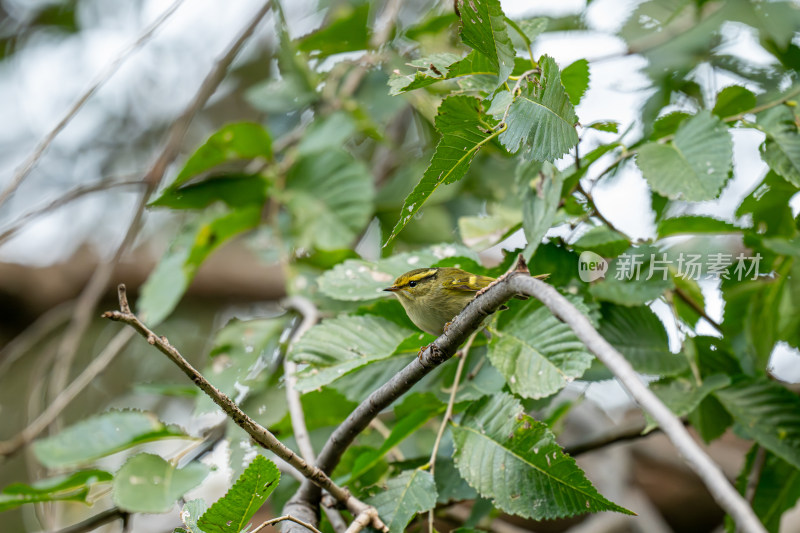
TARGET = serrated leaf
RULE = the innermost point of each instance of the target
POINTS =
(536, 352)
(146, 483)
(71, 487)
(232, 512)
(174, 273)
(693, 224)
(695, 165)
(541, 192)
(464, 129)
(412, 492)
(483, 28)
(101, 435)
(603, 241)
(541, 121)
(358, 280)
(329, 195)
(191, 512)
(575, 78)
(768, 412)
(514, 460)
(777, 489)
(640, 336)
(237, 141)
(733, 100)
(781, 149)
(328, 133)
(340, 345)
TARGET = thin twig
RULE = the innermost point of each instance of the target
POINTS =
(615, 435)
(755, 474)
(334, 516)
(88, 299)
(100, 363)
(697, 308)
(448, 413)
(259, 433)
(309, 316)
(93, 522)
(283, 518)
(64, 199)
(104, 76)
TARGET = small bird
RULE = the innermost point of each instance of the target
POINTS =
(432, 297)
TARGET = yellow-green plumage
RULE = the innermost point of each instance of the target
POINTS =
(433, 296)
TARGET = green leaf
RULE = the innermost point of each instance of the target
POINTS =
(536, 352)
(146, 483)
(440, 67)
(733, 100)
(682, 395)
(232, 512)
(767, 205)
(101, 435)
(169, 280)
(710, 419)
(403, 497)
(328, 133)
(465, 129)
(630, 293)
(527, 30)
(603, 241)
(347, 30)
(329, 195)
(575, 79)
(340, 345)
(541, 186)
(693, 224)
(781, 149)
(695, 165)
(69, 487)
(768, 412)
(237, 141)
(640, 336)
(406, 425)
(234, 191)
(191, 512)
(777, 488)
(483, 27)
(240, 350)
(541, 121)
(609, 126)
(358, 280)
(513, 459)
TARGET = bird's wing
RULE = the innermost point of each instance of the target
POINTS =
(468, 282)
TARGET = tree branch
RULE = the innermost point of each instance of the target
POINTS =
(104, 76)
(260, 434)
(281, 519)
(716, 482)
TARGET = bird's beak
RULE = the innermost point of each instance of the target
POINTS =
(393, 288)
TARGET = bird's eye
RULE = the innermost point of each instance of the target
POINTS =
(412, 283)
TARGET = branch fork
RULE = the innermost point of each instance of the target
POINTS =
(256, 431)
